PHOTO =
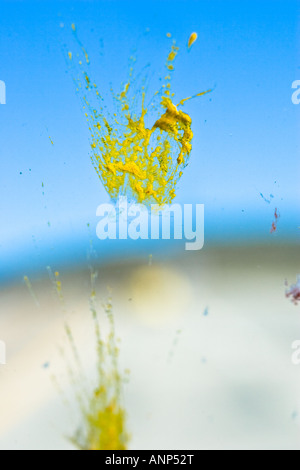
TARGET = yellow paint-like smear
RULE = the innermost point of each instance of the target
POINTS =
(193, 38)
(130, 157)
(103, 417)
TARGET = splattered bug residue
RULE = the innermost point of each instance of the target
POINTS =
(293, 292)
(103, 417)
(275, 222)
(193, 38)
(144, 163)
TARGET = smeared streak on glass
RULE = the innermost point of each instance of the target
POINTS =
(181, 103)
(105, 418)
(31, 291)
(174, 345)
(103, 423)
(131, 159)
(80, 44)
(274, 224)
(268, 201)
(193, 38)
(55, 279)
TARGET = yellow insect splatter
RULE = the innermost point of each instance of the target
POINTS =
(103, 417)
(130, 157)
(193, 38)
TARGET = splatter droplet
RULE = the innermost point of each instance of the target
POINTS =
(193, 38)
(274, 224)
(293, 292)
(206, 312)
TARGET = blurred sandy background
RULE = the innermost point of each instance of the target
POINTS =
(207, 338)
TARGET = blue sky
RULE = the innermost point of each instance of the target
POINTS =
(246, 132)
